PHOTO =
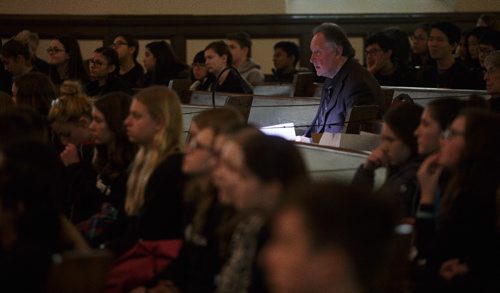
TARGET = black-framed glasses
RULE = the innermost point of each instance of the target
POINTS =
(372, 51)
(118, 44)
(54, 50)
(194, 144)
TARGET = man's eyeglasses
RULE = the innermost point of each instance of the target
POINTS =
(118, 44)
(372, 51)
(54, 50)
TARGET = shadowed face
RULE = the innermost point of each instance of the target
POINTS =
(427, 134)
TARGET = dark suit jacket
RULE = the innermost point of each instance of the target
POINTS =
(352, 86)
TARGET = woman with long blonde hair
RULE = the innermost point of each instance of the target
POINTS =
(155, 185)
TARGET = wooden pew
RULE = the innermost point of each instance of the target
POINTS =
(268, 111)
(325, 162)
(274, 89)
(422, 96)
(181, 87)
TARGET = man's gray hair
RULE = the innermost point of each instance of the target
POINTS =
(493, 59)
(333, 33)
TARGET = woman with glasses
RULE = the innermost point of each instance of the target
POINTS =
(199, 73)
(127, 49)
(466, 252)
(104, 68)
(258, 171)
(65, 60)
(162, 65)
(209, 221)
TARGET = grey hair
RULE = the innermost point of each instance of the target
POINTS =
(334, 34)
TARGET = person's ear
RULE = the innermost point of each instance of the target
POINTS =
(339, 50)
(224, 58)
(389, 54)
(111, 68)
(84, 121)
(245, 50)
(159, 124)
(131, 50)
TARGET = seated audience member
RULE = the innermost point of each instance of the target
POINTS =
(331, 238)
(448, 73)
(398, 151)
(6, 102)
(32, 229)
(153, 203)
(156, 182)
(16, 58)
(22, 123)
(32, 40)
(420, 57)
(471, 44)
(402, 51)
(241, 50)
(104, 68)
(489, 42)
(258, 170)
(5, 78)
(219, 63)
(489, 20)
(162, 65)
(127, 49)
(436, 118)
(492, 78)
(69, 119)
(199, 73)
(113, 155)
(348, 83)
(65, 60)
(285, 58)
(210, 220)
(34, 90)
(381, 62)
(466, 254)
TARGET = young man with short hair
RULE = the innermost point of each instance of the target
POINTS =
(240, 45)
(448, 73)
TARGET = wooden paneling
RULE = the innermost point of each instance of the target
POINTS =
(180, 28)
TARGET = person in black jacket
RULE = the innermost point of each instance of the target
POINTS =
(466, 252)
(114, 153)
(398, 152)
(224, 77)
(104, 69)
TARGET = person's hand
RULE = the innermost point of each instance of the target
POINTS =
(165, 286)
(69, 155)
(428, 178)
(452, 268)
(376, 159)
